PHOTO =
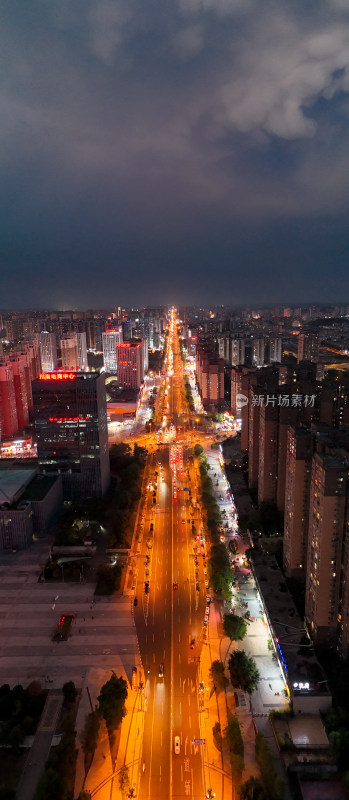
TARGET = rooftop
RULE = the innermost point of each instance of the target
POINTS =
(13, 482)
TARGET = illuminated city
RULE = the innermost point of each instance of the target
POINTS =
(174, 400)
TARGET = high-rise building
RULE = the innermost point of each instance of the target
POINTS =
(268, 452)
(70, 414)
(130, 364)
(237, 352)
(48, 351)
(19, 365)
(328, 528)
(110, 339)
(275, 350)
(308, 347)
(258, 352)
(8, 408)
(74, 351)
(297, 489)
(210, 377)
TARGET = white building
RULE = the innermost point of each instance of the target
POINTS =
(110, 340)
(258, 352)
(275, 350)
(74, 351)
(48, 351)
(237, 352)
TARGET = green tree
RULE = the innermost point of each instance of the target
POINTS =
(217, 736)
(234, 627)
(112, 702)
(272, 784)
(124, 781)
(69, 692)
(84, 795)
(252, 790)
(217, 674)
(243, 671)
(198, 450)
(89, 733)
(235, 744)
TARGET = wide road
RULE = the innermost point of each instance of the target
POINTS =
(169, 618)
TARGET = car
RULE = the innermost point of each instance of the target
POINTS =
(208, 599)
(146, 587)
(183, 521)
(175, 585)
(151, 526)
(161, 670)
(192, 643)
(177, 745)
(197, 587)
(204, 622)
(207, 611)
(135, 602)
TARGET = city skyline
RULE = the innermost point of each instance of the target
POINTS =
(205, 140)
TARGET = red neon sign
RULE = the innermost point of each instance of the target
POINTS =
(57, 376)
(67, 419)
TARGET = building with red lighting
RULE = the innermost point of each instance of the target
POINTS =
(8, 409)
(130, 364)
(70, 412)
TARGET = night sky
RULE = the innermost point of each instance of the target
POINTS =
(186, 151)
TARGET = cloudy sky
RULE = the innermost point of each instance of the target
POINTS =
(173, 151)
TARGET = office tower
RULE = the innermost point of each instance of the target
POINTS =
(8, 409)
(145, 346)
(19, 366)
(308, 347)
(258, 352)
(48, 351)
(328, 523)
(221, 346)
(297, 490)
(110, 339)
(275, 350)
(130, 364)
(237, 352)
(70, 414)
(74, 351)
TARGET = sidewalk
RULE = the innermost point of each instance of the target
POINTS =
(40, 749)
(129, 752)
(216, 763)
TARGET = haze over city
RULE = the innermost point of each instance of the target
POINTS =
(204, 140)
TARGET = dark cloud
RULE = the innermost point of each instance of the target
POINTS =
(189, 144)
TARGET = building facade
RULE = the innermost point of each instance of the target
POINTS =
(70, 414)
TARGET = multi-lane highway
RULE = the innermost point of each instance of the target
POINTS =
(171, 599)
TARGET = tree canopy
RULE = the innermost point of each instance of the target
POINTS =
(217, 674)
(234, 627)
(112, 702)
(243, 671)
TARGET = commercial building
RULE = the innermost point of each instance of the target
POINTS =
(110, 339)
(74, 351)
(48, 351)
(29, 502)
(130, 364)
(70, 414)
(8, 409)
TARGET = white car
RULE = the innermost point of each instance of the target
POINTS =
(177, 745)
